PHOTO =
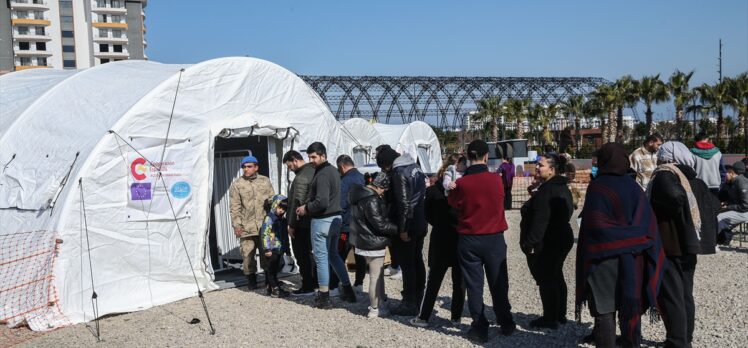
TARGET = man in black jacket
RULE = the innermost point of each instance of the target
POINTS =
(408, 187)
(323, 206)
(734, 196)
(299, 226)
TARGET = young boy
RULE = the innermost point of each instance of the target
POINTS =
(274, 227)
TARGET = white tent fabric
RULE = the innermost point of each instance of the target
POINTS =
(364, 139)
(87, 127)
(19, 90)
(416, 139)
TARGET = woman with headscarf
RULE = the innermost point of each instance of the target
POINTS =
(686, 219)
(619, 254)
(546, 238)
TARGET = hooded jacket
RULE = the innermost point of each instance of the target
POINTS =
(709, 166)
(370, 229)
(545, 218)
(443, 219)
(408, 187)
(735, 193)
(274, 228)
(347, 181)
(670, 204)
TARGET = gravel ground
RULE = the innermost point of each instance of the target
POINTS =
(252, 319)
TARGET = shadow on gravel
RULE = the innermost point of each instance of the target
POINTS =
(743, 250)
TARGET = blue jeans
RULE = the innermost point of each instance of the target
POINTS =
(325, 235)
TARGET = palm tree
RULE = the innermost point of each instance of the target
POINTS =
(678, 85)
(516, 110)
(738, 100)
(535, 115)
(489, 110)
(608, 98)
(574, 106)
(549, 116)
(713, 99)
(627, 96)
(652, 90)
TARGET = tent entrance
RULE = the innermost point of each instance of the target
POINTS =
(361, 155)
(228, 153)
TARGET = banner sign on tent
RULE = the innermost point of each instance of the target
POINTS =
(147, 194)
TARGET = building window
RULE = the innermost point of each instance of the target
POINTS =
(103, 18)
(117, 48)
(66, 4)
(116, 19)
(66, 19)
(39, 30)
(68, 63)
(116, 33)
(115, 3)
(22, 14)
(38, 14)
(41, 61)
(23, 30)
(41, 46)
(67, 33)
(104, 60)
(101, 3)
(24, 46)
(103, 47)
(68, 48)
(25, 61)
(103, 33)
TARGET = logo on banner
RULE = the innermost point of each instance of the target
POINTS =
(180, 190)
(140, 191)
(139, 169)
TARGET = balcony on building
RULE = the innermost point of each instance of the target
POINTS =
(110, 38)
(30, 19)
(109, 7)
(32, 53)
(32, 36)
(29, 5)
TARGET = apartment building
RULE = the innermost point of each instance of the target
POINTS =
(70, 34)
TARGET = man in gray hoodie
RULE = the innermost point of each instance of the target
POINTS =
(709, 167)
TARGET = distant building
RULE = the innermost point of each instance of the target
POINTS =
(66, 34)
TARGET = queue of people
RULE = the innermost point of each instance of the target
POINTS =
(646, 216)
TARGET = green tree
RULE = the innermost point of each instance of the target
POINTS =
(627, 95)
(652, 90)
(489, 112)
(738, 99)
(574, 106)
(713, 100)
(607, 97)
(680, 91)
(516, 111)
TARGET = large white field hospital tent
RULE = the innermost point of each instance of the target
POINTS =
(363, 140)
(108, 174)
(416, 139)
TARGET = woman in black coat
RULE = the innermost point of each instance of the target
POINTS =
(546, 238)
(371, 233)
(442, 255)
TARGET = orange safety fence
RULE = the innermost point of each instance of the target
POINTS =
(27, 291)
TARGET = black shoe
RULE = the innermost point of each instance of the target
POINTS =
(323, 300)
(544, 323)
(303, 292)
(348, 294)
(589, 339)
(269, 290)
(477, 336)
(508, 329)
(252, 281)
(405, 310)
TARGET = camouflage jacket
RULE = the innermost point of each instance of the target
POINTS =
(247, 198)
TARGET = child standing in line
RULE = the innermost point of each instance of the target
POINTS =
(273, 228)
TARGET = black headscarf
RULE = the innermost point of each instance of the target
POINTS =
(613, 159)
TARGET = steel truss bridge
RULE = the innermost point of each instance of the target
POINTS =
(444, 102)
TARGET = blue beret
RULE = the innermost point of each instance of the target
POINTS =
(249, 159)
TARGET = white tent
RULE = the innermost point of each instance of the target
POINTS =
(79, 173)
(416, 139)
(363, 140)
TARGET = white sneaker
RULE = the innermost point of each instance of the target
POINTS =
(359, 289)
(378, 312)
(335, 292)
(396, 274)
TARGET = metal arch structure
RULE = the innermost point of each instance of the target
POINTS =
(443, 102)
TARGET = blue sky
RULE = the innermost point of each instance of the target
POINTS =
(458, 38)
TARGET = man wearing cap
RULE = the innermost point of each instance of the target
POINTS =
(479, 199)
(247, 195)
(734, 197)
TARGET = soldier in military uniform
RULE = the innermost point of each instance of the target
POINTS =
(248, 194)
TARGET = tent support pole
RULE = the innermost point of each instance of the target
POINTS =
(94, 296)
